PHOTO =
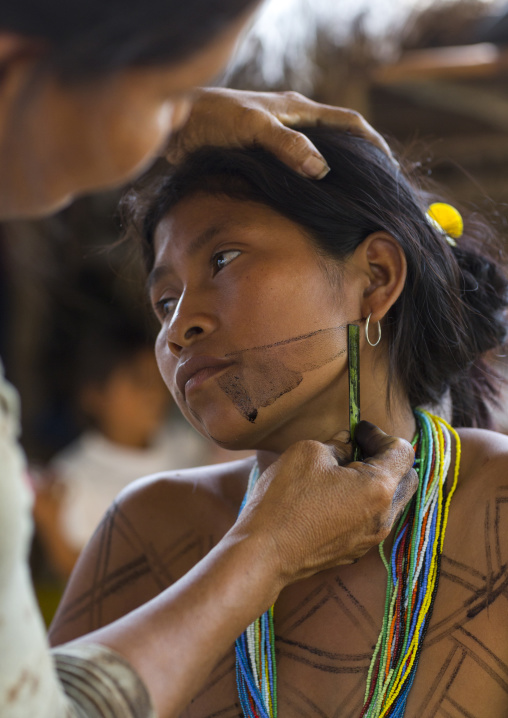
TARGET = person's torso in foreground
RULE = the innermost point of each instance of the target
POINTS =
(327, 626)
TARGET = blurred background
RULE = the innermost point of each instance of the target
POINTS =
(75, 328)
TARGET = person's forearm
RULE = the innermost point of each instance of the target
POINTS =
(174, 640)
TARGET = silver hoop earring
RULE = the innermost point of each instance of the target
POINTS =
(372, 344)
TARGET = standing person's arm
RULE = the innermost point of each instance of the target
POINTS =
(194, 622)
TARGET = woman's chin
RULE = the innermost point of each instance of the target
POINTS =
(233, 438)
(242, 435)
(229, 429)
(273, 428)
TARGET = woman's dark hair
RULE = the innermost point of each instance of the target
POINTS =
(86, 38)
(451, 312)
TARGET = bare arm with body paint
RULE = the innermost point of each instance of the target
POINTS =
(291, 528)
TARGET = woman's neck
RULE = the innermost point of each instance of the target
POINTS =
(396, 419)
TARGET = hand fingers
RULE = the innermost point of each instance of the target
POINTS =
(302, 111)
(371, 438)
(342, 453)
(353, 122)
(393, 456)
(403, 493)
(341, 447)
(374, 442)
(266, 119)
(294, 149)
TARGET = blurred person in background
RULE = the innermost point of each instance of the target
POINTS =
(129, 432)
(130, 428)
(89, 93)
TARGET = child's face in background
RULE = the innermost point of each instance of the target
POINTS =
(253, 324)
(131, 405)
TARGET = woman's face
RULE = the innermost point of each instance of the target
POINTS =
(59, 140)
(253, 332)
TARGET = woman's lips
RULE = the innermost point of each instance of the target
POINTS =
(196, 370)
(201, 376)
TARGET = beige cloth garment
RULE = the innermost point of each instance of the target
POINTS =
(73, 681)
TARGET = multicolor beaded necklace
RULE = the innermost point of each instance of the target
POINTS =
(413, 572)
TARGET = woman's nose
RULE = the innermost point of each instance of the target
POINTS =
(188, 326)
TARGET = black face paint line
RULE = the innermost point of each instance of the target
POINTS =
(263, 374)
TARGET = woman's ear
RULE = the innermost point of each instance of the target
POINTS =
(384, 265)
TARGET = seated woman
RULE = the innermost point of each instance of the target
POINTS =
(255, 274)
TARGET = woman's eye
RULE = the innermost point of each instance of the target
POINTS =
(221, 259)
(165, 306)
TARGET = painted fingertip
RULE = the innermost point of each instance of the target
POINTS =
(342, 453)
(367, 425)
(315, 167)
(365, 429)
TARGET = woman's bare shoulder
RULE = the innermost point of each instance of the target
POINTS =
(202, 502)
(484, 459)
(188, 490)
(158, 529)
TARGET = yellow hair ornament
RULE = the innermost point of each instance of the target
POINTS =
(447, 220)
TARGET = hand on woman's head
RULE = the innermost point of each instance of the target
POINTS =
(233, 118)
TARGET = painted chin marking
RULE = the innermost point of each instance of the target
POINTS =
(263, 374)
(258, 383)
